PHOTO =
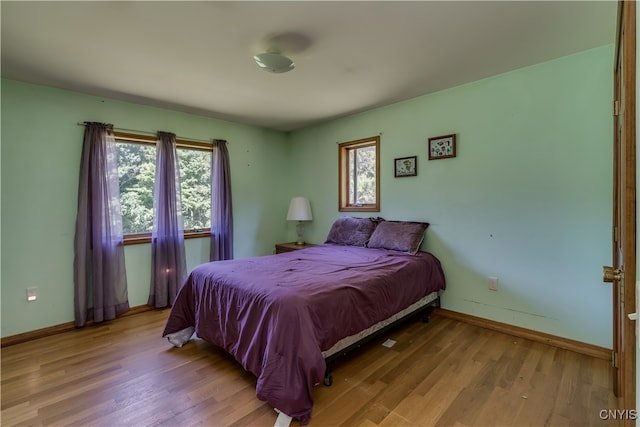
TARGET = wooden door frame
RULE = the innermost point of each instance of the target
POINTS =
(625, 51)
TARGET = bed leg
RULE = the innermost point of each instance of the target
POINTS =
(426, 313)
(328, 378)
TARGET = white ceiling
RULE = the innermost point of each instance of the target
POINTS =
(350, 56)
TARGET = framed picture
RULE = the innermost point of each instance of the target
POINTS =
(442, 147)
(406, 166)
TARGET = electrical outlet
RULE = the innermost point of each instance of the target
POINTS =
(32, 294)
(493, 283)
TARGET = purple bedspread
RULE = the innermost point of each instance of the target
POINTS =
(276, 314)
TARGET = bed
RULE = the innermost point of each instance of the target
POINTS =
(283, 316)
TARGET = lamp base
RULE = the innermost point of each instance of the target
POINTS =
(300, 232)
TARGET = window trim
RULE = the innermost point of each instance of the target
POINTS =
(344, 204)
(132, 138)
(140, 238)
(152, 139)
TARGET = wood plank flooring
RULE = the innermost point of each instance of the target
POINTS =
(444, 373)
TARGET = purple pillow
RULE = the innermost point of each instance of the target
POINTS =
(402, 236)
(351, 231)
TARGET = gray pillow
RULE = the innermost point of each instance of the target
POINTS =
(405, 236)
(351, 231)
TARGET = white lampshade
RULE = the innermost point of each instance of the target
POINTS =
(299, 210)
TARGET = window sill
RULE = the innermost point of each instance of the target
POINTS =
(365, 208)
(139, 239)
(197, 234)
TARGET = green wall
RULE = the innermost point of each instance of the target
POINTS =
(41, 148)
(527, 199)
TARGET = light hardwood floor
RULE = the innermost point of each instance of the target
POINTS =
(444, 373)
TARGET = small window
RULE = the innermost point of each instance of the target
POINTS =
(136, 175)
(358, 175)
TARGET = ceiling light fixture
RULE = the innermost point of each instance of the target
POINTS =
(274, 62)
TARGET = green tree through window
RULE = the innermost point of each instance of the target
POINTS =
(362, 176)
(359, 175)
(136, 174)
(195, 180)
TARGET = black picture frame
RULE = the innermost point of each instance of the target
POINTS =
(405, 166)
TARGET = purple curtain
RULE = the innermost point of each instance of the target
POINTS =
(99, 274)
(221, 211)
(168, 261)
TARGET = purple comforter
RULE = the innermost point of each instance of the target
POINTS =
(276, 314)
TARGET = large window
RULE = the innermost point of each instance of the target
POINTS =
(358, 175)
(136, 173)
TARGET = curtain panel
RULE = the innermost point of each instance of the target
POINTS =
(168, 264)
(221, 206)
(100, 279)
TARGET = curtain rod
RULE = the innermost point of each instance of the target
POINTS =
(154, 133)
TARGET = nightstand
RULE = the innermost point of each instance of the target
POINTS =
(291, 246)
